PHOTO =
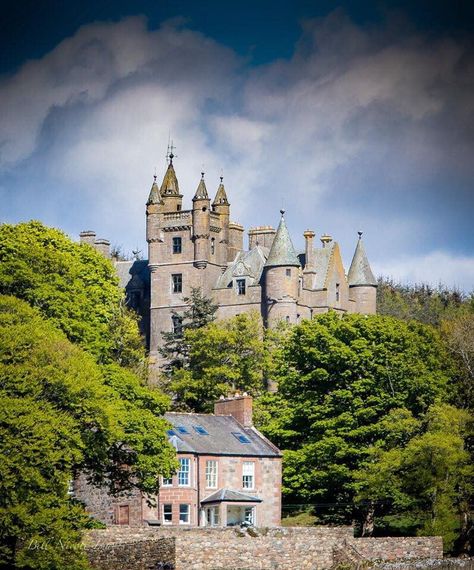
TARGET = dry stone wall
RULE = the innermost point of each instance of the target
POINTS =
(302, 548)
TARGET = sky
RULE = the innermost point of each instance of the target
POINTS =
(349, 115)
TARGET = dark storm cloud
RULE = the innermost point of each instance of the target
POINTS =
(362, 128)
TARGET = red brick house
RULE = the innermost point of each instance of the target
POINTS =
(229, 474)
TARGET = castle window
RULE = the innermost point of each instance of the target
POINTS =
(288, 272)
(167, 514)
(240, 286)
(213, 246)
(178, 207)
(337, 292)
(288, 319)
(177, 282)
(177, 245)
(167, 482)
(177, 324)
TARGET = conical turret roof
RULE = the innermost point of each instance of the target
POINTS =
(155, 196)
(282, 252)
(170, 186)
(221, 196)
(201, 192)
(360, 272)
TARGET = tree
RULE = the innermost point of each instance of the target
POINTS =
(339, 378)
(422, 302)
(421, 478)
(224, 356)
(200, 311)
(61, 414)
(72, 285)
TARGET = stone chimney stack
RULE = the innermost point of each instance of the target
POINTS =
(103, 247)
(87, 236)
(238, 406)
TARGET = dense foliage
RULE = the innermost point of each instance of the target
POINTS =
(62, 413)
(72, 285)
(345, 385)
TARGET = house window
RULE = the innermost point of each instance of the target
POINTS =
(288, 319)
(183, 473)
(167, 514)
(212, 516)
(240, 286)
(178, 207)
(211, 474)
(213, 246)
(177, 245)
(249, 515)
(184, 514)
(177, 282)
(167, 482)
(337, 291)
(177, 324)
(248, 475)
(288, 272)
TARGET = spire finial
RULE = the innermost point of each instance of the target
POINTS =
(202, 175)
(222, 178)
(169, 152)
(359, 233)
(282, 212)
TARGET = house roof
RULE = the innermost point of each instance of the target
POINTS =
(230, 496)
(222, 436)
(246, 264)
(322, 259)
(360, 272)
(133, 274)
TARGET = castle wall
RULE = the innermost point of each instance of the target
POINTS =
(365, 299)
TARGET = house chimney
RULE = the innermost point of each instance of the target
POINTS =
(239, 407)
(87, 236)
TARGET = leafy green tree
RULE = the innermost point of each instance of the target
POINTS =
(421, 302)
(224, 356)
(200, 311)
(72, 285)
(338, 379)
(421, 477)
(61, 414)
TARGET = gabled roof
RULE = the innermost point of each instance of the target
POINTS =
(221, 438)
(230, 496)
(360, 272)
(170, 186)
(246, 264)
(221, 196)
(322, 262)
(201, 191)
(282, 252)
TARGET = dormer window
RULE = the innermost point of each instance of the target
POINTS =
(240, 283)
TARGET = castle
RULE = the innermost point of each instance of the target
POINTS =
(201, 247)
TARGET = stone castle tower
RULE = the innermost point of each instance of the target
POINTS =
(201, 247)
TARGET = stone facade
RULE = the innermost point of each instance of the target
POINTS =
(202, 248)
(280, 549)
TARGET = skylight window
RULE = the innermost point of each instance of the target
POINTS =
(181, 429)
(171, 432)
(200, 430)
(241, 437)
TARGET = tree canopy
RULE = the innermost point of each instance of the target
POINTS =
(72, 285)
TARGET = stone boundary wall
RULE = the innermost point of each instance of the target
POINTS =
(298, 548)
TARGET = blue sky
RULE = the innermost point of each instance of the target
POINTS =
(349, 115)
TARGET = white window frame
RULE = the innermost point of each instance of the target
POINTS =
(248, 475)
(241, 290)
(167, 481)
(188, 512)
(212, 516)
(184, 474)
(165, 522)
(212, 473)
(249, 515)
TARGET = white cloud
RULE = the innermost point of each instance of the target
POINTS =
(358, 130)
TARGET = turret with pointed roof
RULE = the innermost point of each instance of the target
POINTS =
(155, 194)
(282, 252)
(221, 197)
(201, 224)
(221, 206)
(362, 283)
(169, 190)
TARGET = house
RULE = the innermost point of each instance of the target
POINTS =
(229, 474)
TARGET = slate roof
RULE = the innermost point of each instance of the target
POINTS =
(230, 496)
(220, 439)
(360, 272)
(282, 252)
(322, 259)
(133, 274)
(246, 264)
